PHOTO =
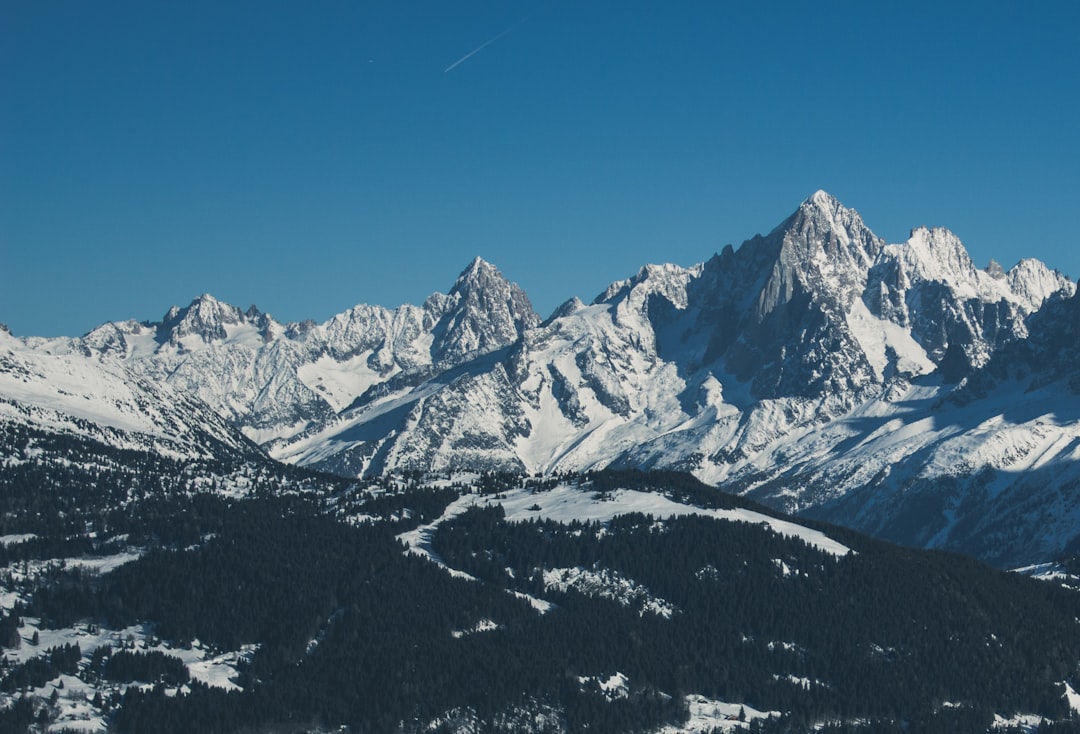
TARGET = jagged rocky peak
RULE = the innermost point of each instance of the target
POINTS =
(931, 286)
(483, 311)
(109, 338)
(667, 280)
(1032, 281)
(822, 225)
(563, 310)
(478, 269)
(929, 257)
(824, 250)
(300, 329)
(268, 327)
(482, 285)
(939, 255)
(205, 317)
(936, 255)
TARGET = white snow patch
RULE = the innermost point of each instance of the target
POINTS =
(805, 683)
(1045, 572)
(418, 540)
(541, 605)
(264, 435)
(73, 707)
(213, 668)
(341, 382)
(1072, 697)
(614, 686)
(876, 335)
(708, 715)
(484, 625)
(22, 570)
(218, 671)
(566, 503)
(1029, 722)
(608, 584)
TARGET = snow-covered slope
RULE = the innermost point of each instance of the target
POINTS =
(575, 391)
(73, 396)
(788, 317)
(577, 502)
(274, 380)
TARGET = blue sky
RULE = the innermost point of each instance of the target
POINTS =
(306, 157)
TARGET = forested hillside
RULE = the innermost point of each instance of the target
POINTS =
(615, 601)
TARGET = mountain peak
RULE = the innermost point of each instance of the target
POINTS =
(205, 316)
(826, 209)
(822, 199)
(822, 206)
(480, 275)
(483, 311)
(478, 266)
(994, 270)
(937, 248)
(823, 241)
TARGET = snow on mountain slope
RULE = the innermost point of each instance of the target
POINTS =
(591, 382)
(566, 503)
(276, 380)
(584, 384)
(482, 312)
(990, 467)
(457, 418)
(996, 477)
(701, 367)
(774, 314)
(930, 286)
(72, 395)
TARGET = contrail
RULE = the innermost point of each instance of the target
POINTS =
(484, 45)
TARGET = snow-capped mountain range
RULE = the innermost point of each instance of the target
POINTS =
(107, 403)
(896, 388)
(272, 379)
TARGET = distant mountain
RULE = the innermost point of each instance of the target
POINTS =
(274, 379)
(103, 402)
(816, 368)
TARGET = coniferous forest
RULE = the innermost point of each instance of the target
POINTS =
(496, 623)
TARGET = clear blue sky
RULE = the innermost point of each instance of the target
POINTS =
(306, 157)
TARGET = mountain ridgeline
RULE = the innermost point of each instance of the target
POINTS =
(894, 388)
